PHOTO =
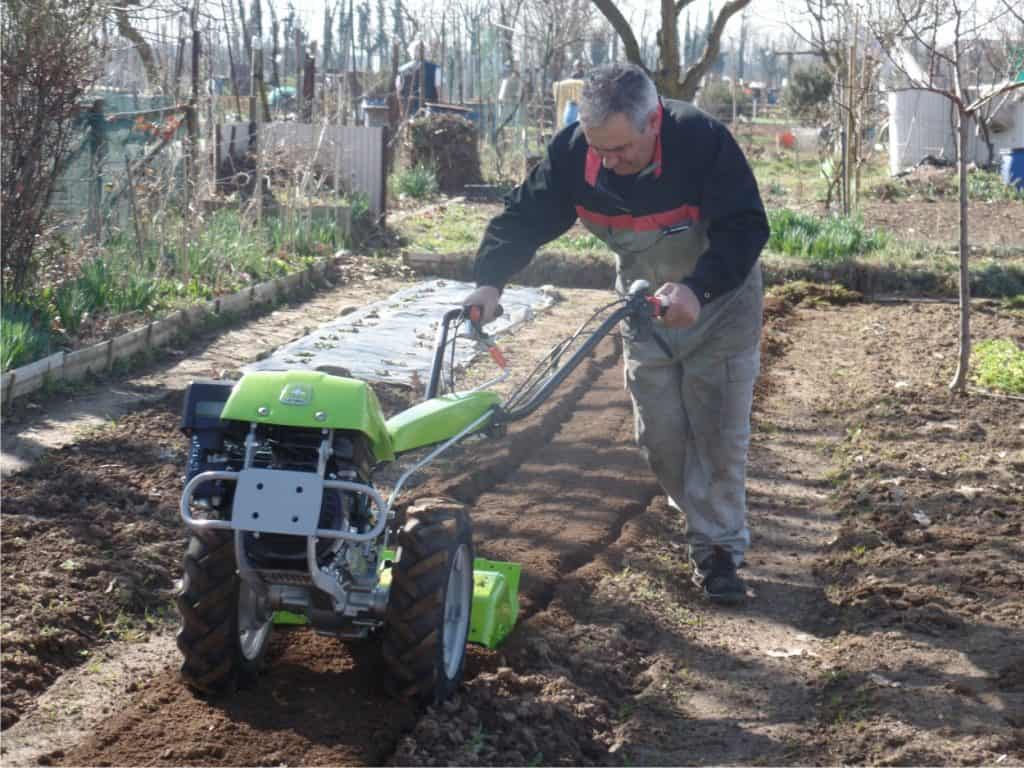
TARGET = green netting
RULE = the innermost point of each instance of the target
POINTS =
(91, 194)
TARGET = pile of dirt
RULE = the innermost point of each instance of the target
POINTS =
(506, 718)
(448, 144)
(926, 182)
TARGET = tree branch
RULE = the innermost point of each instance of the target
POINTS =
(680, 4)
(126, 30)
(694, 74)
(611, 12)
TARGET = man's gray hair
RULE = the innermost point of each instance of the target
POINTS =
(612, 88)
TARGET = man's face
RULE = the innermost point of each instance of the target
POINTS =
(622, 148)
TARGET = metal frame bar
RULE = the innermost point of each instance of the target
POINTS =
(326, 533)
(437, 452)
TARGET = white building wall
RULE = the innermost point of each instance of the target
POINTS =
(923, 123)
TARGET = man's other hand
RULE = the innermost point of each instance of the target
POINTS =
(486, 297)
(682, 307)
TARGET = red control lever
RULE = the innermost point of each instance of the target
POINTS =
(658, 307)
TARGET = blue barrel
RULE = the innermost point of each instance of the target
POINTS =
(1013, 167)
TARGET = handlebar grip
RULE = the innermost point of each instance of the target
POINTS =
(475, 311)
(658, 307)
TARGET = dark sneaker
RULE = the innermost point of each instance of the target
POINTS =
(716, 576)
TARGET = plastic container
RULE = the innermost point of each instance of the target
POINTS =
(1013, 167)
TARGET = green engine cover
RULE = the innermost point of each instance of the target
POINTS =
(310, 399)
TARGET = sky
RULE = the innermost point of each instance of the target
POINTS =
(765, 15)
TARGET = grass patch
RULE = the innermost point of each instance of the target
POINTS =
(418, 182)
(224, 254)
(458, 228)
(998, 364)
(823, 241)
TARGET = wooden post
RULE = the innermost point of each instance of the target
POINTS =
(340, 113)
(255, 140)
(395, 114)
(135, 210)
(196, 50)
(300, 63)
(308, 86)
(97, 154)
(963, 360)
(191, 114)
(179, 59)
(444, 50)
(234, 73)
(338, 190)
(732, 93)
(851, 127)
(421, 58)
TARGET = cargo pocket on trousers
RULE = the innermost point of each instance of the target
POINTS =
(744, 366)
(741, 372)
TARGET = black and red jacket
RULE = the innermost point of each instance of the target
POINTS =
(698, 177)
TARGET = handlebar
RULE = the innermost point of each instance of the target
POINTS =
(639, 305)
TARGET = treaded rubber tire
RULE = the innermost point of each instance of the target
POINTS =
(414, 621)
(208, 604)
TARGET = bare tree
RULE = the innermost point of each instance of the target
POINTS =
(903, 26)
(668, 74)
(50, 56)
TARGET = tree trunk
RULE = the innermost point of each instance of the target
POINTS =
(959, 383)
(128, 32)
(667, 76)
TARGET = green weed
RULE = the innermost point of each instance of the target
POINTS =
(94, 283)
(418, 182)
(998, 364)
(69, 301)
(578, 241)
(24, 335)
(824, 241)
(989, 187)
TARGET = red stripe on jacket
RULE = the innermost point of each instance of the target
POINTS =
(684, 214)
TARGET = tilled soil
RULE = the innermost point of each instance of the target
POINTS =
(872, 636)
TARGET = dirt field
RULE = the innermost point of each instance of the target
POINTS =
(887, 572)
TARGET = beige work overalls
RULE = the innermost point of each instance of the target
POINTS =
(693, 410)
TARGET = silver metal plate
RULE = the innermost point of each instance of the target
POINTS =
(277, 501)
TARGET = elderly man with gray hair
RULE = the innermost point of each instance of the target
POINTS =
(670, 192)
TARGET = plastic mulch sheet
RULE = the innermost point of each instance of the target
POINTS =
(393, 340)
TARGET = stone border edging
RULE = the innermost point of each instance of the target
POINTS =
(101, 357)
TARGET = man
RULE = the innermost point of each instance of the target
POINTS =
(668, 189)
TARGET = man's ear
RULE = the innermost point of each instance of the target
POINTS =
(653, 122)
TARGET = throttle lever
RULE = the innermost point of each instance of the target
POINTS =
(474, 313)
(657, 306)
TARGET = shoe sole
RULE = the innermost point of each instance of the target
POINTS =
(719, 599)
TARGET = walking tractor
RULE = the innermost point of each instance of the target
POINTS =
(286, 523)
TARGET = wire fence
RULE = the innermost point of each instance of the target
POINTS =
(122, 140)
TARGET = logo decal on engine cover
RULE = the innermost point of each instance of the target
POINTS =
(296, 394)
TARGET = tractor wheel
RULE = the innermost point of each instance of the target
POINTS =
(427, 619)
(225, 625)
